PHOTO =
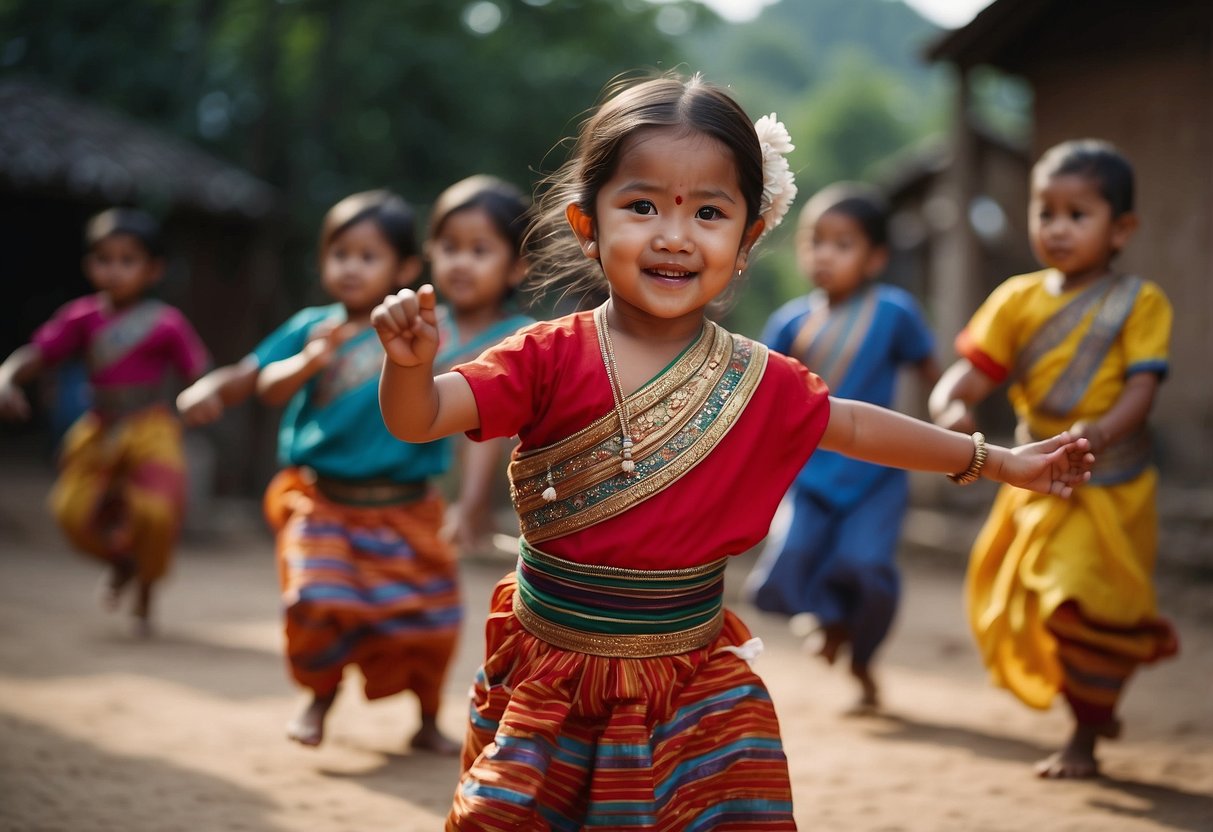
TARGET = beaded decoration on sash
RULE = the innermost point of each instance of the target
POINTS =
(675, 421)
(622, 613)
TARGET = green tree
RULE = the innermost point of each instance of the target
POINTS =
(325, 97)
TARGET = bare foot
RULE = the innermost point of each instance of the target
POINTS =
(868, 703)
(308, 728)
(122, 570)
(429, 738)
(1077, 760)
(824, 640)
(833, 638)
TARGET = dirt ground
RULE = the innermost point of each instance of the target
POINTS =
(101, 731)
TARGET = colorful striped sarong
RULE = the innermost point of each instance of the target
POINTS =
(1096, 660)
(368, 585)
(132, 468)
(566, 740)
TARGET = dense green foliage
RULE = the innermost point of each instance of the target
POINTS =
(325, 97)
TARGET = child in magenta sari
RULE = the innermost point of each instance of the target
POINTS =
(120, 496)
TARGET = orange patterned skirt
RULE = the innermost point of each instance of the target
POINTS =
(371, 586)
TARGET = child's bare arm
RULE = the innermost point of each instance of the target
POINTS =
(417, 407)
(22, 367)
(928, 371)
(961, 387)
(1127, 415)
(875, 434)
(277, 382)
(205, 400)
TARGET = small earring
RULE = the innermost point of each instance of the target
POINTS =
(590, 248)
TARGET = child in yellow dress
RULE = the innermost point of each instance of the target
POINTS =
(1059, 591)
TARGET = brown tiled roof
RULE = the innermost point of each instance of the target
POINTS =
(50, 142)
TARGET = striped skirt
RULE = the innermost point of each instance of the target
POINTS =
(129, 472)
(566, 740)
(364, 585)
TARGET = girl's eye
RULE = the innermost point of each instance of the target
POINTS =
(643, 206)
(1076, 215)
(708, 212)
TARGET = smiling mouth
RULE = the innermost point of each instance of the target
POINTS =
(670, 274)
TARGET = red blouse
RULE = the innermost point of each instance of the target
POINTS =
(547, 382)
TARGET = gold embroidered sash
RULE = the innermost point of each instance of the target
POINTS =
(123, 334)
(354, 365)
(676, 420)
(830, 338)
(1112, 300)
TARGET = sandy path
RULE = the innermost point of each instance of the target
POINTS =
(101, 732)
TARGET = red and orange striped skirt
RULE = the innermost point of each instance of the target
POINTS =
(564, 740)
(367, 585)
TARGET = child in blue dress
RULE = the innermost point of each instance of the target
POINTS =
(833, 566)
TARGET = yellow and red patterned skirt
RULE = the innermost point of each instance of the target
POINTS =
(1060, 594)
(128, 472)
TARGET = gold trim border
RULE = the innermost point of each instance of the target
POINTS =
(646, 646)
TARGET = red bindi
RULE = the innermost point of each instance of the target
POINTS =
(678, 200)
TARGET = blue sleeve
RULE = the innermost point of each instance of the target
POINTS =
(914, 341)
(290, 338)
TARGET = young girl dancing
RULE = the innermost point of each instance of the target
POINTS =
(616, 690)
(366, 579)
(1060, 593)
(477, 261)
(120, 496)
(835, 562)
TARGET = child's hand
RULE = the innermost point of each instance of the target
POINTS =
(408, 326)
(1052, 466)
(1092, 432)
(957, 416)
(324, 340)
(199, 406)
(13, 403)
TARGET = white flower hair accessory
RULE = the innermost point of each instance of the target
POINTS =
(778, 183)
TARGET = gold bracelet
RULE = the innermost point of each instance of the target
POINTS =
(973, 472)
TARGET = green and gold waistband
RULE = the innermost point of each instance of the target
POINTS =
(617, 612)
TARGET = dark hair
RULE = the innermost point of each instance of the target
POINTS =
(863, 203)
(628, 106)
(393, 216)
(505, 205)
(1096, 160)
(130, 221)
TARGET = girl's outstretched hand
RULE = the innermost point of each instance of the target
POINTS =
(1052, 466)
(407, 326)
